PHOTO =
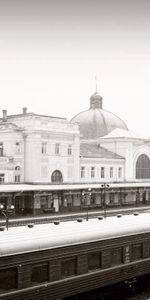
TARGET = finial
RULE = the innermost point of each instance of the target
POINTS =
(95, 84)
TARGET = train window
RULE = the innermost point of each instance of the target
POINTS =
(39, 273)
(116, 256)
(94, 261)
(136, 251)
(68, 267)
(8, 279)
(146, 249)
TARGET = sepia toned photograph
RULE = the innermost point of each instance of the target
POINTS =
(74, 150)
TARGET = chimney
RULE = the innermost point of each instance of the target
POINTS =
(4, 115)
(24, 110)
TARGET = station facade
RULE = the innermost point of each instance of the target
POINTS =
(49, 164)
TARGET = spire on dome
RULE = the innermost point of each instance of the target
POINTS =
(95, 84)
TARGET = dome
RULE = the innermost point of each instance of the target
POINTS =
(96, 122)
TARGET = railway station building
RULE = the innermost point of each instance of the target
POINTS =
(49, 164)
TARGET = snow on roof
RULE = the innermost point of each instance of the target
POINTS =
(13, 188)
(121, 133)
(94, 150)
(50, 236)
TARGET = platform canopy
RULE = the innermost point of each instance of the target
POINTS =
(10, 188)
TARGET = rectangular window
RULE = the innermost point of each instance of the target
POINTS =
(57, 149)
(111, 172)
(39, 273)
(68, 267)
(44, 202)
(18, 147)
(111, 197)
(82, 172)
(136, 251)
(92, 172)
(116, 256)
(94, 261)
(44, 148)
(2, 178)
(69, 149)
(8, 279)
(1, 149)
(17, 178)
(102, 172)
(119, 172)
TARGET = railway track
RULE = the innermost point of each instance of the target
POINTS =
(72, 216)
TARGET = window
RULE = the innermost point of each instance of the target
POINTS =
(69, 149)
(1, 149)
(17, 174)
(102, 172)
(143, 167)
(93, 261)
(119, 172)
(44, 202)
(8, 279)
(68, 267)
(111, 172)
(39, 273)
(92, 172)
(82, 172)
(136, 251)
(17, 178)
(57, 149)
(56, 176)
(44, 148)
(17, 168)
(111, 197)
(2, 178)
(116, 256)
(18, 147)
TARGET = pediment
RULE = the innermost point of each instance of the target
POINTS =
(9, 126)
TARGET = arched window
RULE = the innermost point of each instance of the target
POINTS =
(56, 176)
(143, 167)
(17, 168)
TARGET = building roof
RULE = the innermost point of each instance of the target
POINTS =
(121, 134)
(96, 122)
(94, 150)
(49, 236)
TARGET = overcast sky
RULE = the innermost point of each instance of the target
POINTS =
(50, 52)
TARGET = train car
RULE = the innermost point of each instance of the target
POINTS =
(54, 261)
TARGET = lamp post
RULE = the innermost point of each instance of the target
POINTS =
(104, 187)
(6, 212)
(87, 202)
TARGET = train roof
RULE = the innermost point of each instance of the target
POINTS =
(18, 240)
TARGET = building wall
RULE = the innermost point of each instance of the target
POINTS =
(109, 175)
(130, 149)
(11, 157)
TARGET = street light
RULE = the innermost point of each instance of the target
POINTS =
(6, 212)
(87, 204)
(104, 187)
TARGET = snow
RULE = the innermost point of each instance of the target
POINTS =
(47, 236)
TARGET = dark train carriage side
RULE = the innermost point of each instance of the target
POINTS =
(53, 262)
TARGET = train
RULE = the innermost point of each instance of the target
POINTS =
(62, 259)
